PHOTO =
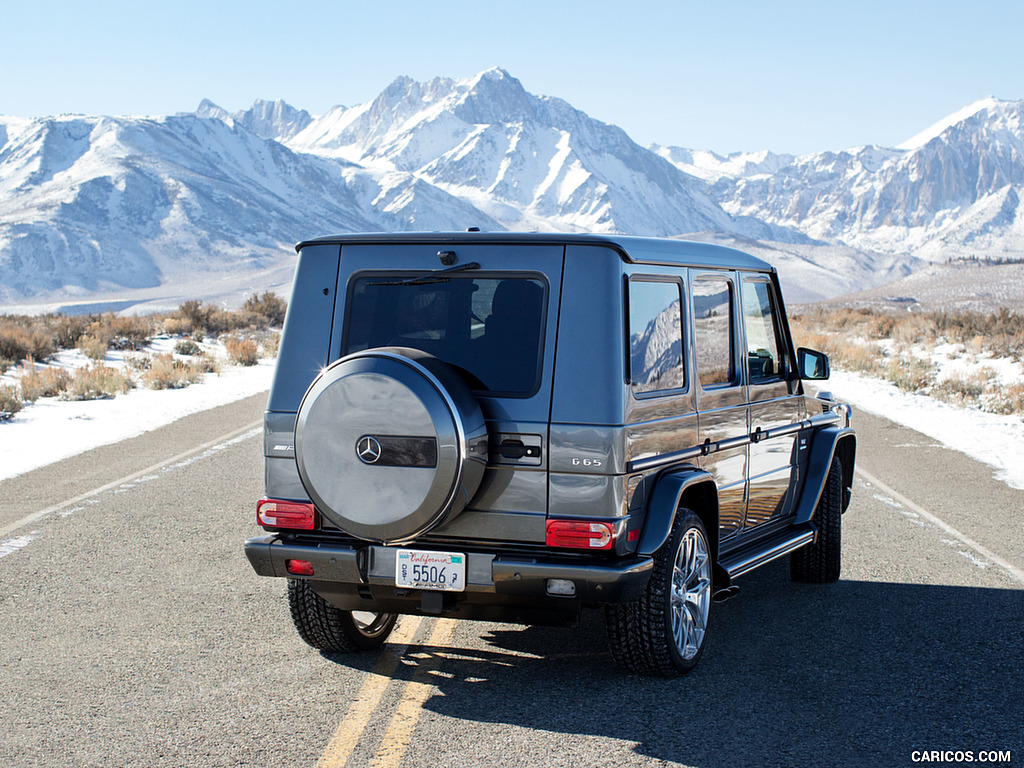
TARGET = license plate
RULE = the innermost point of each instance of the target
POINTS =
(445, 571)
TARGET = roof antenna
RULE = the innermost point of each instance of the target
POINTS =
(472, 229)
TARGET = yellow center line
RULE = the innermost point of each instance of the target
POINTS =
(343, 742)
(399, 734)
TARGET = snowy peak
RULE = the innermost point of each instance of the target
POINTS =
(529, 162)
(948, 191)
(276, 120)
(90, 204)
(934, 131)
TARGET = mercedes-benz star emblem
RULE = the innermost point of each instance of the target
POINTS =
(368, 449)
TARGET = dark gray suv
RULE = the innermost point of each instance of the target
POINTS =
(515, 427)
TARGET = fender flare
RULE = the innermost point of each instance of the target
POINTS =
(825, 445)
(664, 502)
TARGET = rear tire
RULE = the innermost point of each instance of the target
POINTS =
(820, 562)
(663, 632)
(331, 629)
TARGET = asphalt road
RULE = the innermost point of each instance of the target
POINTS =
(135, 634)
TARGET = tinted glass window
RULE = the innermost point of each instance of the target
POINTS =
(763, 358)
(713, 332)
(488, 329)
(655, 336)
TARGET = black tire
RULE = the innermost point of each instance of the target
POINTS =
(663, 633)
(327, 628)
(820, 562)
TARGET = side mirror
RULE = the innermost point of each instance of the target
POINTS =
(813, 365)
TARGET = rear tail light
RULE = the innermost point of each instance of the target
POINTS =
(299, 567)
(580, 534)
(298, 515)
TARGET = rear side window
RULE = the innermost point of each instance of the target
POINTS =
(713, 331)
(764, 360)
(490, 329)
(655, 336)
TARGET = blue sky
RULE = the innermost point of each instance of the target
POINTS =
(728, 75)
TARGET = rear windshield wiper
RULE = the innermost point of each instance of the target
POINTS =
(434, 276)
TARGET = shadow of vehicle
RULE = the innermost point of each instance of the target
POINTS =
(854, 673)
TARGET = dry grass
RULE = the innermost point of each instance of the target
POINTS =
(98, 382)
(10, 401)
(30, 338)
(167, 372)
(1006, 401)
(883, 344)
(910, 373)
(93, 348)
(44, 382)
(40, 336)
(20, 341)
(187, 347)
(242, 351)
(271, 344)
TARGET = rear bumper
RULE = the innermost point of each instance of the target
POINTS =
(371, 569)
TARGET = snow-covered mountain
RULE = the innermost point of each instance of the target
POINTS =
(98, 208)
(529, 161)
(953, 190)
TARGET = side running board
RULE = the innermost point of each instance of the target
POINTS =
(747, 559)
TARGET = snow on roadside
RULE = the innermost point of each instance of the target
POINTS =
(997, 441)
(50, 429)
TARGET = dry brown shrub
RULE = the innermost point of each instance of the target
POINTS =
(271, 344)
(10, 401)
(880, 326)
(1006, 401)
(863, 358)
(179, 326)
(964, 388)
(67, 330)
(93, 348)
(166, 372)
(97, 382)
(44, 382)
(270, 307)
(242, 351)
(913, 329)
(21, 338)
(205, 364)
(910, 373)
(123, 332)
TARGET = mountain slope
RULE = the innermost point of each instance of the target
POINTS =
(109, 206)
(529, 161)
(951, 191)
(105, 204)
(94, 203)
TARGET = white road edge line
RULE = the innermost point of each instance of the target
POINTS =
(1006, 565)
(29, 519)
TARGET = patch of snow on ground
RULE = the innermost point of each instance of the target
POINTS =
(997, 441)
(51, 429)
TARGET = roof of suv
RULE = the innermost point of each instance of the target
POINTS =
(637, 250)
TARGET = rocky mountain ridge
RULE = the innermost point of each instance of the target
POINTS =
(143, 208)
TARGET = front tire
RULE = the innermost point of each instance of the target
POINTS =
(331, 629)
(663, 633)
(820, 562)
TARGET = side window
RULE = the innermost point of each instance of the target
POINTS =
(655, 336)
(764, 360)
(713, 331)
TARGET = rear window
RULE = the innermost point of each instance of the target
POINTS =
(488, 328)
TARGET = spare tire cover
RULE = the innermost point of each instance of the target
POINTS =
(390, 443)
